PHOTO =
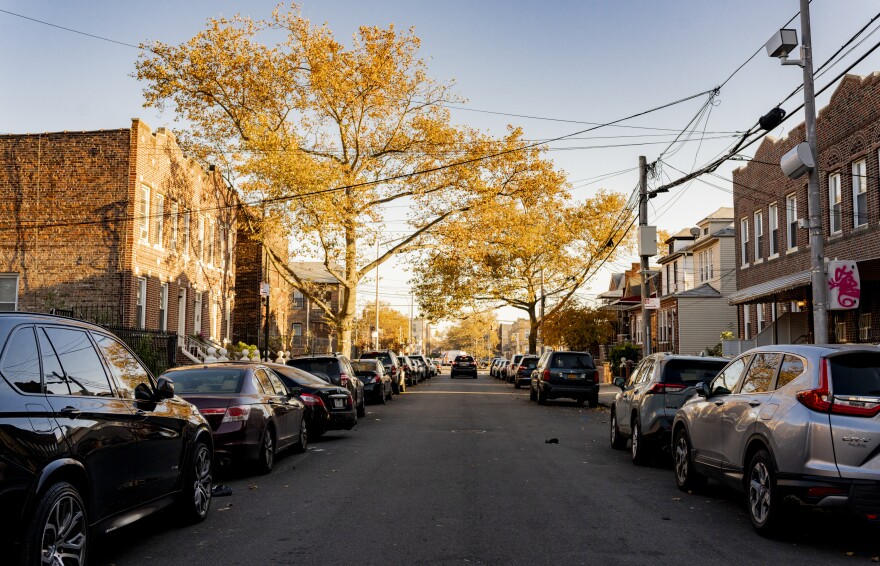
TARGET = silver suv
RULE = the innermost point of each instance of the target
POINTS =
(646, 405)
(786, 423)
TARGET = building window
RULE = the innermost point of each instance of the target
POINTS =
(759, 311)
(8, 292)
(710, 264)
(840, 330)
(860, 193)
(747, 323)
(141, 303)
(759, 235)
(834, 203)
(197, 313)
(159, 219)
(744, 241)
(172, 240)
(144, 213)
(163, 307)
(675, 275)
(297, 329)
(200, 239)
(791, 220)
(773, 218)
(211, 234)
(865, 333)
(187, 221)
(298, 299)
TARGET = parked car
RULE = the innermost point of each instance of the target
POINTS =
(75, 461)
(493, 368)
(512, 366)
(410, 371)
(393, 367)
(421, 368)
(501, 371)
(377, 383)
(523, 375)
(328, 406)
(787, 423)
(646, 405)
(464, 365)
(252, 413)
(335, 369)
(565, 374)
(430, 369)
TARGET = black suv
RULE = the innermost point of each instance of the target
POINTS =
(90, 441)
(393, 366)
(335, 369)
(463, 365)
(565, 374)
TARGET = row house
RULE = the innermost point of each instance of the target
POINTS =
(624, 297)
(698, 276)
(116, 226)
(773, 278)
(310, 331)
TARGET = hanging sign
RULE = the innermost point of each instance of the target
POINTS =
(844, 285)
(652, 303)
(264, 289)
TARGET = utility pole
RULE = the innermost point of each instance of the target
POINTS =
(643, 221)
(817, 237)
(541, 323)
(410, 340)
(377, 295)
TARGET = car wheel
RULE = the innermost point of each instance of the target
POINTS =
(303, 442)
(580, 401)
(361, 409)
(516, 385)
(59, 530)
(196, 497)
(761, 494)
(533, 395)
(639, 450)
(395, 389)
(266, 458)
(686, 477)
(617, 441)
(593, 402)
(542, 397)
(383, 398)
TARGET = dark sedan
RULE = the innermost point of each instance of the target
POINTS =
(251, 412)
(335, 369)
(377, 383)
(329, 407)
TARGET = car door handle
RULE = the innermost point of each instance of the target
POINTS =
(754, 403)
(140, 413)
(69, 411)
(719, 403)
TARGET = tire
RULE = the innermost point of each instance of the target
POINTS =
(266, 458)
(580, 401)
(60, 508)
(395, 389)
(303, 441)
(686, 477)
(617, 441)
(383, 398)
(533, 395)
(542, 397)
(390, 396)
(639, 451)
(762, 498)
(195, 501)
(516, 385)
(593, 402)
(361, 409)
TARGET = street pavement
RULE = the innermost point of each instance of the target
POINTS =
(460, 472)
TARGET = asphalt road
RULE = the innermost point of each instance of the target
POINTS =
(458, 472)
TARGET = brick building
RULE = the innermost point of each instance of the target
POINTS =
(116, 226)
(310, 330)
(773, 279)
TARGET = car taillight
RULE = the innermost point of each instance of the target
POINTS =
(230, 414)
(343, 379)
(664, 387)
(393, 370)
(522, 368)
(824, 491)
(817, 399)
(546, 375)
(376, 378)
(213, 411)
(313, 400)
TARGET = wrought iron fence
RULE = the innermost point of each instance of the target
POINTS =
(96, 314)
(158, 350)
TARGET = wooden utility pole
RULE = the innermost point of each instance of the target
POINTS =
(643, 221)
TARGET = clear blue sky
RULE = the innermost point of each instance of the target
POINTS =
(592, 61)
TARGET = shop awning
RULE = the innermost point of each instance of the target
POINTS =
(778, 286)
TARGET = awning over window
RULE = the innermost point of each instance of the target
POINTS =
(780, 287)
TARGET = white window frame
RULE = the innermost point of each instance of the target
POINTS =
(711, 265)
(773, 219)
(159, 219)
(141, 302)
(747, 322)
(163, 307)
(187, 228)
(791, 222)
(172, 239)
(211, 234)
(14, 303)
(197, 312)
(759, 313)
(860, 189)
(835, 204)
(200, 242)
(144, 214)
(759, 234)
(744, 241)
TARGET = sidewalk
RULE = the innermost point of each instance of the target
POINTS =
(607, 392)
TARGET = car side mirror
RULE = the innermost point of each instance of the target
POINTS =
(619, 381)
(294, 392)
(703, 389)
(164, 388)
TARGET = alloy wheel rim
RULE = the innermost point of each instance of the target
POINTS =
(759, 492)
(202, 482)
(64, 533)
(681, 460)
(613, 429)
(635, 439)
(269, 454)
(303, 434)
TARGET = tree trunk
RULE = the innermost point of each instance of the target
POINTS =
(533, 330)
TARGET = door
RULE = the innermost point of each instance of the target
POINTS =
(706, 414)
(741, 409)
(159, 426)
(100, 428)
(181, 312)
(624, 404)
(197, 313)
(276, 398)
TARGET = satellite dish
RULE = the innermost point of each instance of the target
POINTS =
(695, 232)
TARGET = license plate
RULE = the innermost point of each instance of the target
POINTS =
(338, 403)
(572, 376)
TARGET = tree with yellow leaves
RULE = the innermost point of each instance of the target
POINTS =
(324, 138)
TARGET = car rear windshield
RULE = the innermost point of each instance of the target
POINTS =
(573, 361)
(530, 362)
(463, 359)
(363, 367)
(856, 374)
(299, 377)
(207, 380)
(325, 368)
(691, 372)
(385, 358)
